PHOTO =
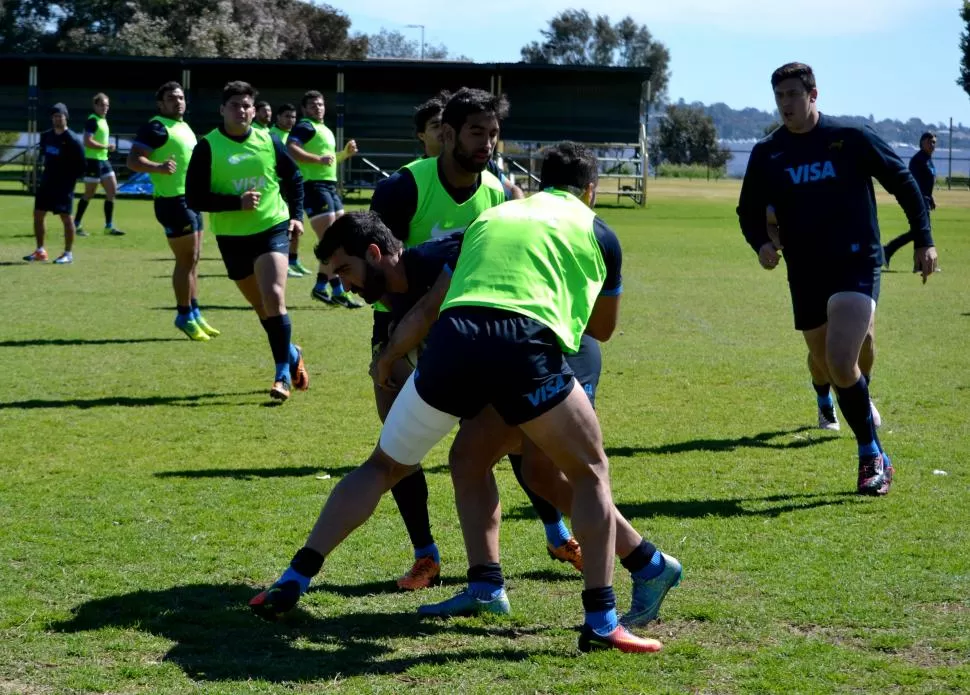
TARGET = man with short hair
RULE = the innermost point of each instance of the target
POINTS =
(264, 116)
(162, 149)
(924, 171)
(97, 147)
(526, 288)
(236, 175)
(313, 146)
(63, 156)
(817, 174)
(285, 120)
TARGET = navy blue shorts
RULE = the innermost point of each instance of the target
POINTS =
(810, 294)
(176, 218)
(97, 169)
(321, 198)
(60, 202)
(587, 365)
(478, 356)
(239, 253)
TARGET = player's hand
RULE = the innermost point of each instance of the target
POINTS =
(927, 261)
(380, 371)
(327, 159)
(296, 229)
(250, 199)
(111, 147)
(167, 167)
(768, 256)
(775, 236)
(350, 149)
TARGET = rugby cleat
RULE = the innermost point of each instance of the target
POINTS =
(298, 372)
(346, 299)
(280, 390)
(292, 272)
(828, 420)
(321, 294)
(276, 600)
(465, 603)
(567, 552)
(620, 639)
(204, 325)
(300, 268)
(64, 258)
(423, 574)
(38, 256)
(113, 231)
(875, 475)
(648, 594)
(191, 329)
(80, 231)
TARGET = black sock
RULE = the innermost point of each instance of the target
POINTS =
(821, 389)
(868, 378)
(854, 403)
(490, 573)
(183, 310)
(195, 303)
(411, 496)
(640, 557)
(81, 207)
(548, 513)
(109, 212)
(279, 330)
(307, 562)
(602, 599)
(294, 257)
(321, 279)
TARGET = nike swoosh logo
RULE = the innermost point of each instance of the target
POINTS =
(241, 157)
(437, 231)
(775, 155)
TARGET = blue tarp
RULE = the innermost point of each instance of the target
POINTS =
(139, 184)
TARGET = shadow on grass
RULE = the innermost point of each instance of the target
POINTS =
(387, 586)
(217, 638)
(765, 440)
(241, 307)
(171, 259)
(190, 401)
(335, 472)
(43, 342)
(201, 275)
(769, 506)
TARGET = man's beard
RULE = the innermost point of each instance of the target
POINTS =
(375, 284)
(466, 162)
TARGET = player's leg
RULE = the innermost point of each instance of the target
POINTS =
(184, 244)
(196, 220)
(850, 319)
(827, 419)
(270, 272)
(110, 185)
(320, 222)
(92, 175)
(67, 222)
(338, 293)
(867, 360)
(893, 246)
(40, 234)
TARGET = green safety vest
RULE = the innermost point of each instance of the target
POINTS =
(241, 166)
(324, 143)
(181, 141)
(536, 257)
(99, 135)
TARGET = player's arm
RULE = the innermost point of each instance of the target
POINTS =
(606, 311)
(291, 180)
(149, 138)
(411, 330)
(753, 201)
(77, 156)
(920, 168)
(90, 128)
(198, 184)
(301, 134)
(396, 200)
(349, 150)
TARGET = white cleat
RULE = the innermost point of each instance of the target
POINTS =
(828, 420)
(876, 417)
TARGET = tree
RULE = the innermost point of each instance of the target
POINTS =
(687, 136)
(575, 38)
(964, 79)
(394, 44)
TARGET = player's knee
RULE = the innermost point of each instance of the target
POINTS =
(386, 468)
(842, 370)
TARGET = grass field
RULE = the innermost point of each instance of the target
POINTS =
(147, 490)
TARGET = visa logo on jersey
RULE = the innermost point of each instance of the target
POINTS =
(547, 391)
(249, 183)
(816, 171)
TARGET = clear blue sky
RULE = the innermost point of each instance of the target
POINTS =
(889, 58)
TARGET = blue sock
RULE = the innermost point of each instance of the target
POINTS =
(337, 287)
(557, 534)
(653, 568)
(294, 354)
(195, 308)
(283, 372)
(428, 551)
(184, 313)
(602, 622)
(291, 575)
(870, 449)
(825, 402)
(485, 590)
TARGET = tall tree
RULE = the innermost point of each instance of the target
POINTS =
(394, 44)
(687, 135)
(964, 79)
(574, 37)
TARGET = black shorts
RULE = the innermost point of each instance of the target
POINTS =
(587, 365)
(60, 202)
(321, 198)
(478, 356)
(176, 218)
(239, 253)
(97, 169)
(810, 294)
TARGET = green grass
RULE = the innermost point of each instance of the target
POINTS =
(147, 491)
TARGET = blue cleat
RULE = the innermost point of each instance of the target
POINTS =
(276, 600)
(466, 603)
(648, 594)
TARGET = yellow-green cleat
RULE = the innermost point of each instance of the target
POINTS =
(204, 325)
(191, 329)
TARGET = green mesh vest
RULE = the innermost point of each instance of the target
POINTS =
(99, 135)
(241, 166)
(537, 257)
(181, 141)
(280, 133)
(322, 144)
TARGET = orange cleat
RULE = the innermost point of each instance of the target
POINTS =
(567, 552)
(280, 391)
(423, 574)
(299, 374)
(621, 639)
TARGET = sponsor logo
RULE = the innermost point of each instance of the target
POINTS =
(816, 171)
(547, 391)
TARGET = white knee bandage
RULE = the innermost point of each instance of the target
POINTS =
(413, 427)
